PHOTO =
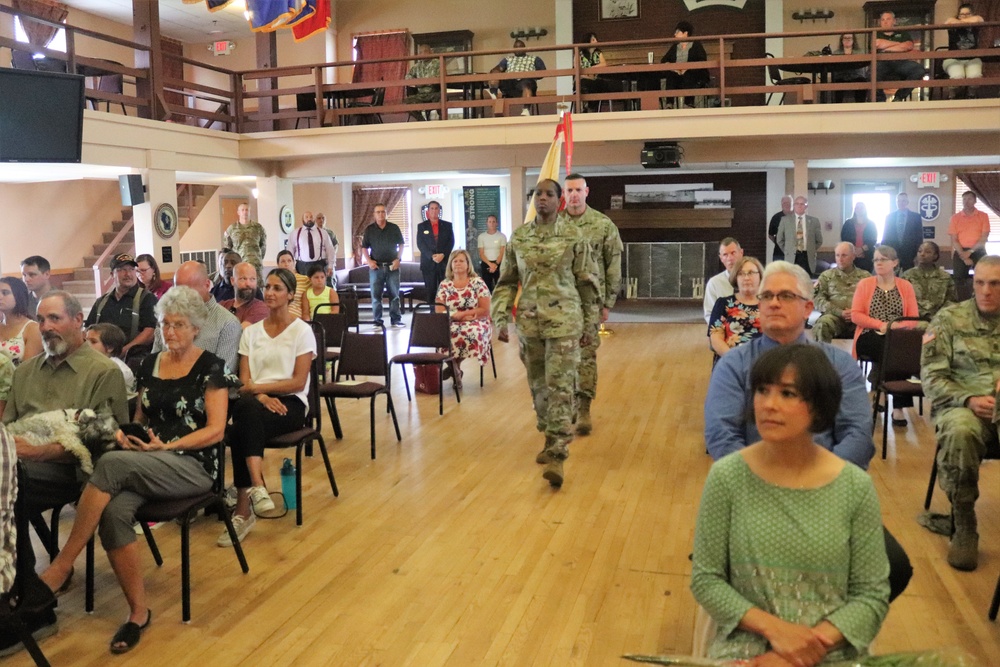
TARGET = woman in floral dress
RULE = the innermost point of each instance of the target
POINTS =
(735, 319)
(468, 300)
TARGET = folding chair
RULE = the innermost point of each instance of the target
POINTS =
(900, 362)
(360, 355)
(493, 361)
(432, 330)
(774, 74)
(334, 325)
(349, 306)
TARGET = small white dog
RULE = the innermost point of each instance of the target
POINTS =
(83, 433)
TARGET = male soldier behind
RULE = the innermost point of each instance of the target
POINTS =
(960, 370)
(606, 250)
(834, 293)
(933, 285)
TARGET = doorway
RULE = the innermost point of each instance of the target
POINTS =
(878, 198)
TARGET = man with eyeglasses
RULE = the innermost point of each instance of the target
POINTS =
(128, 305)
(718, 285)
(960, 370)
(834, 293)
(786, 300)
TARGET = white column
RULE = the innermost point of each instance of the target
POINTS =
(161, 188)
(518, 196)
(564, 35)
(272, 194)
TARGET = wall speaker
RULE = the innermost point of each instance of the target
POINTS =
(133, 193)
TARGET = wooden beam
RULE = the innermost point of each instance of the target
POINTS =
(146, 31)
(670, 218)
(266, 44)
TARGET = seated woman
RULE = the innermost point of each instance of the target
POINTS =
(183, 397)
(735, 319)
(318, 293)
(20, 338)
(287, 261)
(848, 46)
(592, 59)
(149, 275)
(468, 300)
(275, 355)
(789, 551)
(685, 52)
(877, 302)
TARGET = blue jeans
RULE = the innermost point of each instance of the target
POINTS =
(382, 279)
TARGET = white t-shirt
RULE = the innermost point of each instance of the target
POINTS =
(130, 388)
(717, 286)
(273, 359)
(491, 245)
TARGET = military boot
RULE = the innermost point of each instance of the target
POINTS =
(583, 423)
(963, 551)
(554, 473)
(544, 456)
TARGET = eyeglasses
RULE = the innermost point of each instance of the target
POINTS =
(747, 274)
(174, 326)
(882, 260)
(784, 296)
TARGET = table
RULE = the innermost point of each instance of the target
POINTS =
(822, 72)
(341, 99)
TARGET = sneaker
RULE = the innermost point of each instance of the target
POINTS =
(398, 325)
(261, 500)
(525, 112)
(242, 525)
(229, 498)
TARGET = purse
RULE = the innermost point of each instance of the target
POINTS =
(426, 379)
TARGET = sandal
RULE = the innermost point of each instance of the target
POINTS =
(129, 634)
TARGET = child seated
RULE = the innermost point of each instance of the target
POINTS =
(109, 339)
(318, 293)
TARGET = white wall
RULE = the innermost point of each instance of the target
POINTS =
(205, 232)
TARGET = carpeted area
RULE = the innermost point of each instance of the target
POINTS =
(667, 311)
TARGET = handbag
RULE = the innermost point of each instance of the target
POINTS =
(426, 379)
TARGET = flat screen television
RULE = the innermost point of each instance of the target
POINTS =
(41, 116)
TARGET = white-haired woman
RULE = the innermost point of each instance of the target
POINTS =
(183, 400)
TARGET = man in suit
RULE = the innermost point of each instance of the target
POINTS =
(435, 240)
(904, 231)
(799, 236)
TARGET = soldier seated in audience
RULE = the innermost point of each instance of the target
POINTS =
(933, 285)
(834, 293)
(960, 369)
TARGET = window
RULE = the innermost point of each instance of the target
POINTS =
(400, 215)
(58, 42)
(993, 244)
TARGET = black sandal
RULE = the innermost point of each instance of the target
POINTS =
(129, 634)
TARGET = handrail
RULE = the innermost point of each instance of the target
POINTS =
(75, 29)
(115, 242)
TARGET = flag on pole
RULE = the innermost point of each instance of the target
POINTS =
(318, 21)
(550, 167)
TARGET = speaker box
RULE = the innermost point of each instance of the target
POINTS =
(131, 188)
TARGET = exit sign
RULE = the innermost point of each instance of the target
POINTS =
(222, 47)
(929, 179)
(434, 191)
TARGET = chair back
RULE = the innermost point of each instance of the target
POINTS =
(379, 97)
(349, 306)
(305, 102)
(430, 328)
(110, 83)
(363, 354)
(21, 60)
(901, 352)
(772, 70)
(317, 369)
(334, 324)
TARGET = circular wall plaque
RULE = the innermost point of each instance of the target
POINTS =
(165, 220)
(286, 219)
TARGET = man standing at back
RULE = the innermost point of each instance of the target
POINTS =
(772, 227)
(718, 285)
(35, 274)
(903, 231)
(435, 241)
(491, 246)
(380, 248)
(331, 278)
(606, 249)
(800, 236)
(247, 238)
(311, 247)
(969, 230)
(127, 305)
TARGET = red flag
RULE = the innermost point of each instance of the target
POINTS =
(318, 22)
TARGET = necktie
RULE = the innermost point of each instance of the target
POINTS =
(312, 249)
(800, 235)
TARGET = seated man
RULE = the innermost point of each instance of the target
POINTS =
(834, 293)
(785, 302)
(892, 41)
(520, 61)
(425, 68)
(730, 252)
(222, 286)
(961, 377)
(933, 285)
(128, 305)
(247, 308)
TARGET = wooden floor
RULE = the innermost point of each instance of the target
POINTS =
(450, 549)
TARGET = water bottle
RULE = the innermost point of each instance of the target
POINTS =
(288, 483)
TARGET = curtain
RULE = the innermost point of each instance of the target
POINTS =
(986, 186)
(364, 201)
(40, 34)
(383, 45)
(990, 11)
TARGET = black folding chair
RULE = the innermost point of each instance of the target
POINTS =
(349, 306)
(430, 329)
(334, 325)
(493, 362)
(900, 361)
(361, 355)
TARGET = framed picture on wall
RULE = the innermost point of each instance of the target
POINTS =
(612, 10)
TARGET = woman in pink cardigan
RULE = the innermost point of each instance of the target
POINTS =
(878, 301)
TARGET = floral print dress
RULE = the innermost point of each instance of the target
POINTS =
(469, 339)
(738, 322)
(176, 407)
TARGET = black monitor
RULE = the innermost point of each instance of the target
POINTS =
(41, 116)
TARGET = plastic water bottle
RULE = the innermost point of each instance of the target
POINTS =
(288, 483)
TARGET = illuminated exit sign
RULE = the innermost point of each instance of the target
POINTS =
(434, 191)
(222, 47)
(929, 179)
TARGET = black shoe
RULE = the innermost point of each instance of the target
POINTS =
(41, 625)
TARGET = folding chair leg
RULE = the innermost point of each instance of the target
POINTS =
(186, 568)
(371, 412)
(406, 383)
(995, 605)
(152, 543)
(930, 484)
(228, 519)
(875, 411)
(29, 642)
(329, 469)
(89, 578)
(298, 484)
(331, 408)
(392, 411)
(885, 427)
(441, 387)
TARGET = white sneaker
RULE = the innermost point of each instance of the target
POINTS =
(229, 498)
(525, 112)
(261, 500)
(242, 526)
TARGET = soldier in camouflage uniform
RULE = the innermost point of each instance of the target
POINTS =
(606, 250)
(557, 308)
(934, 287)
(248, 239)
(834, 293)
(960, 369)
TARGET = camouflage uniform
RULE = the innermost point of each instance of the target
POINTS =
(834, 293)
(559, 301)
(935, 289)
(606, 249)
(250, 241)
(960, 359)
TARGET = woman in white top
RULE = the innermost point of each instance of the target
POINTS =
(19, 335)
(274, 368)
